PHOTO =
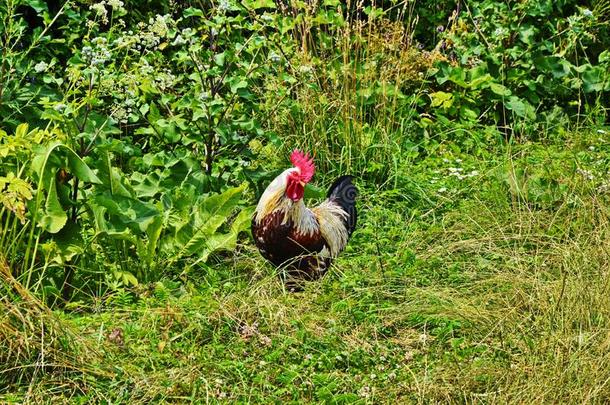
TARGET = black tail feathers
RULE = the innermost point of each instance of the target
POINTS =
(344, 193)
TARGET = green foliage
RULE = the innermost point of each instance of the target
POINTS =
(521, 65)
(135, 137)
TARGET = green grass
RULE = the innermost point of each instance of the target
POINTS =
(492, 288)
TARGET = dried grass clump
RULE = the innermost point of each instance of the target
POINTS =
(35, 345)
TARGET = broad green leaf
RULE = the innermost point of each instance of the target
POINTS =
(210, 215)
(54, 217)
(75, 164)
(153, 232)
(441, 98)
(499, 89)
(256, 4)
(228, 240)
(21, 130)
(69, 243)
(219, 59)
(38, 5)
(593, 79)
(112, 179)
(557, 66)
(126, 211)
(527, 33)
(193, 12)
(481, 81)
(239, 84)
(520, 107)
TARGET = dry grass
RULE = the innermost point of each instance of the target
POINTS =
(36, 347)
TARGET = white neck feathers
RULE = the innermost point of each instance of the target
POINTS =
(274, 199)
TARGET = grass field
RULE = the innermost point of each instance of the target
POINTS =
(136, 137)
(486, 287)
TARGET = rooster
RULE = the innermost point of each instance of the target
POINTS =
(300, 240)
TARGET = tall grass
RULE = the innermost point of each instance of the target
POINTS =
(35, 345)
(358, 81)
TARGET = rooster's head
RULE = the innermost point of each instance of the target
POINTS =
(301, 174)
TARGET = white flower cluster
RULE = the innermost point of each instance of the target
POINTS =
(587, 174)
(604, 187)
(223, 5)
(116, 4)
(98, 54)
(100, 11)
(187, 36)
(127, 100)
(274, 57)
(159, 24)
(459, 173)
(41, 67)
(120, 114)
(364, 392)
(165, 80)
(145, 68)
(153, 33)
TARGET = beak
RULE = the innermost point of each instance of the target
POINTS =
(303, 183)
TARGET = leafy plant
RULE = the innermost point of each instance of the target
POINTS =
(513, 64)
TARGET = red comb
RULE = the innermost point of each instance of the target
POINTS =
(304, 163)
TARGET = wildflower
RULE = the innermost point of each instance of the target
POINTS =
(305, 69)
(41, 67)
(604, 187)
(365, 392)
(274, 57)
(115, 4)
(586, 174)
(587, 13)
(120, 114)
(601, 131)
(442, 190)
(265, 340)
(223, 5)
(178, 40)
(591, 148)
(499, 32)
(408, 356)
(100, 11)
(59, 107)
(159, 25)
